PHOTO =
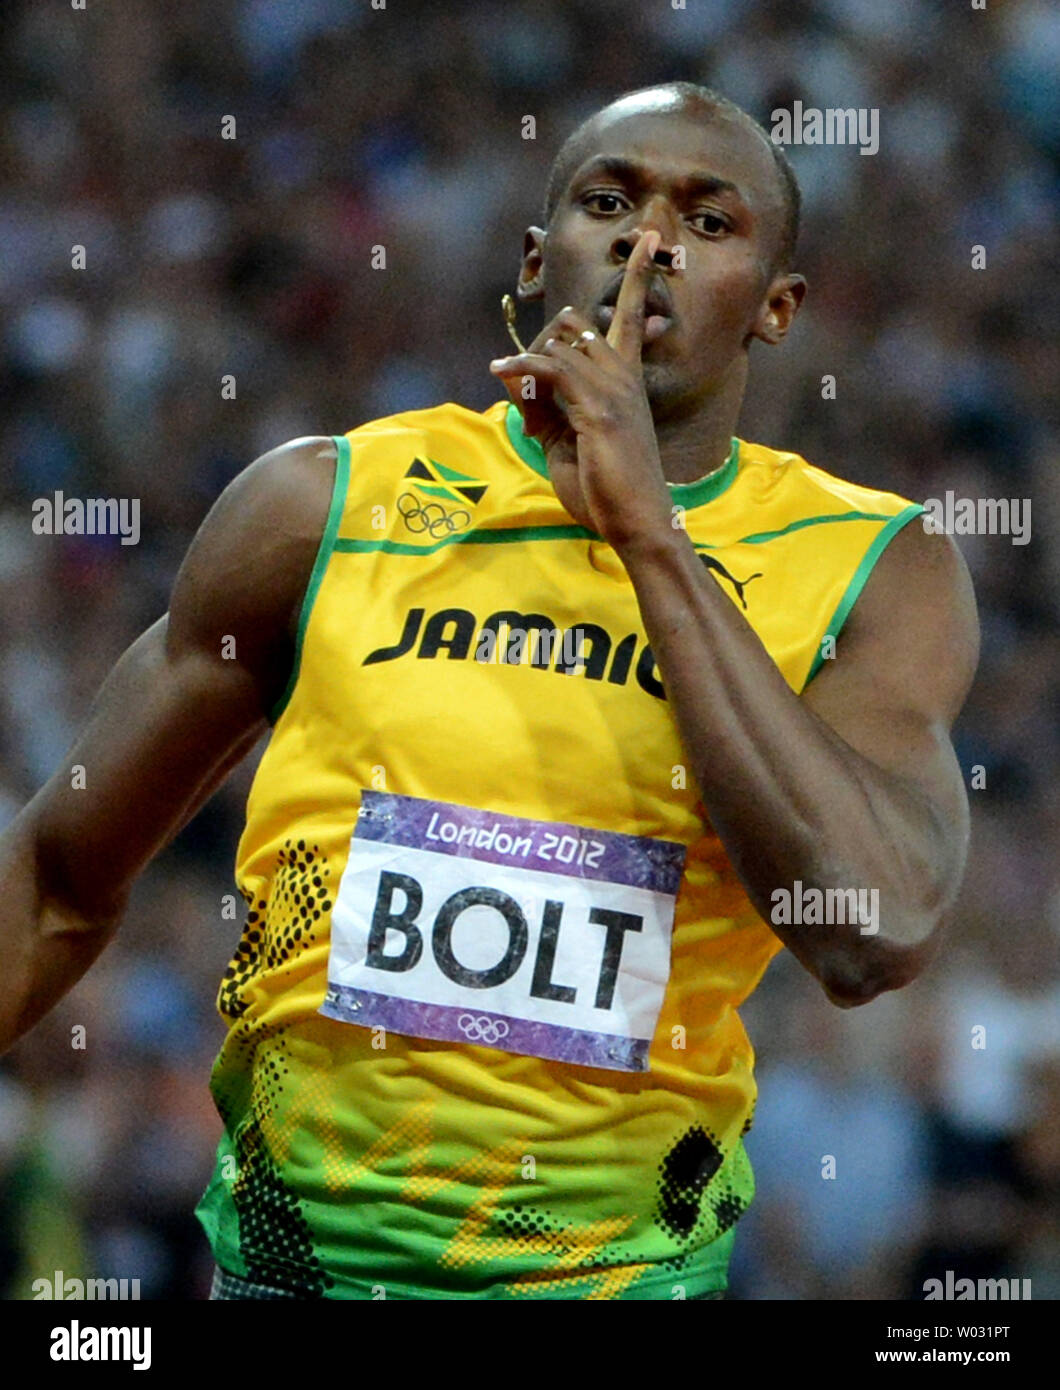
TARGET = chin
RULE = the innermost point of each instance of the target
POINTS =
(662, 390)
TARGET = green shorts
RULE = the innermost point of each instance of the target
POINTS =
(227, 1285)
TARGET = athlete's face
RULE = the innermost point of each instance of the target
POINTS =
(709, 186)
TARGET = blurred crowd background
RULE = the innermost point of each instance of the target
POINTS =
(251, 257)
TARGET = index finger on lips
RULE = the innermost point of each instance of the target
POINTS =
(626, 334)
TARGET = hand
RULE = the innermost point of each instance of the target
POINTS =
(591, 412)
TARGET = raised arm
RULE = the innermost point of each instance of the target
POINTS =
(853, 786)
(181, 707)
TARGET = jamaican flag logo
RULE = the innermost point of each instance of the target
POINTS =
(439, 498)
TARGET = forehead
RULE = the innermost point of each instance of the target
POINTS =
(672, 142)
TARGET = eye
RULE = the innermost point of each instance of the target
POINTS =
(597, 200)
(712, 223)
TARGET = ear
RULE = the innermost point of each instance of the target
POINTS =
(532, 272)
(781, 304)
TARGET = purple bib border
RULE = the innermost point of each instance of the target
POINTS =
(446, 1023)
(637, 861)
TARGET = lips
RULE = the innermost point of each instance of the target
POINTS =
(655, 325)
(658, 309)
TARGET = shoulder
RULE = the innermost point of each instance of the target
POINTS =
(281, 491)
(913, 622)
(770, 470)
(247, 568)
(917, 616)
(922, 571)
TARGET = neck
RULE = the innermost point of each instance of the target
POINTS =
(695, 444)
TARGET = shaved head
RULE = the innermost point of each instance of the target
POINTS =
(685, 99)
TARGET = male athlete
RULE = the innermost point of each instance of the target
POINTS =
(568, 700)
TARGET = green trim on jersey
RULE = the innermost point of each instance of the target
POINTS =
(320, 564)
(685, 495)
(760, 537)
(861, 574)
(504, 535)
(485, 535)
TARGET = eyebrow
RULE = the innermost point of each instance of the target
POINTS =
(632, 171)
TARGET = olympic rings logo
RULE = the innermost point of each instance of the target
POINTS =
(432, 518)
(483, 1029)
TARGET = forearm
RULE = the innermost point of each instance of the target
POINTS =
(46, 944)
(151, 754)
(790, 799)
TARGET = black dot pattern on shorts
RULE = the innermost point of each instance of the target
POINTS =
(683, 1176)
(523, 1224)
(280, 925)
(728, 1210)
(274, 1236)
(288, 914)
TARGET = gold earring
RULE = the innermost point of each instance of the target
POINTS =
(508, 305)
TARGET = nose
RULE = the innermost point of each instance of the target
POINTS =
(653, 218)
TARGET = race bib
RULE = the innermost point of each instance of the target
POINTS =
(462, 925)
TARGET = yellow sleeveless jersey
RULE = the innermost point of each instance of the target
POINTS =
(483, 1038)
